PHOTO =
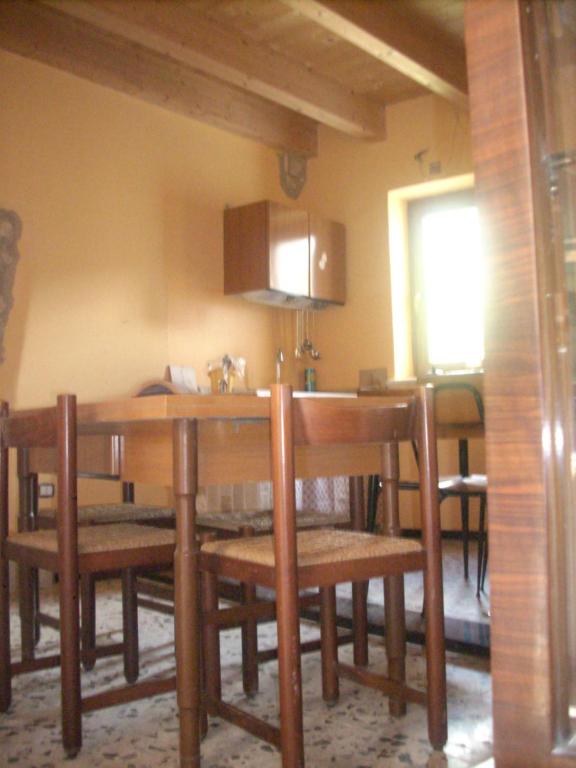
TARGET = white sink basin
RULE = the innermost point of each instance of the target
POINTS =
(301, 393)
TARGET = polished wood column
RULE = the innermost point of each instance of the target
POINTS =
(512, 192)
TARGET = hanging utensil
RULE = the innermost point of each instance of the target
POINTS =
(314, 353)
(307, 344)
(298, 348)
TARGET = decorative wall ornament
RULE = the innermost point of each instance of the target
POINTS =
(10, 232)
(292, 173)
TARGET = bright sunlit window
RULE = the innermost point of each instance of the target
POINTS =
(448, 284)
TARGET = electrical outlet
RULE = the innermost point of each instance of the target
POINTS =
(46, 490)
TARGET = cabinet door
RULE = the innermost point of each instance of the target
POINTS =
(246, 248)
(327, 260)
(288, 244)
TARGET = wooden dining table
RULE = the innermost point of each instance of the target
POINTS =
(156, 440)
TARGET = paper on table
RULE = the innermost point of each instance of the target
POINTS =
(184, 376)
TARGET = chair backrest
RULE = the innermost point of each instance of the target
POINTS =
(98, 457)
(44, 428)
(380, 420)
(457, 402)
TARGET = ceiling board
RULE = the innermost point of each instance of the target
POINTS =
(277, 67)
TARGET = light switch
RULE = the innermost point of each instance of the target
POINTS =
(46, 490)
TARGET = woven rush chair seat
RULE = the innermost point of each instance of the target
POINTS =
(102, 538)
(156, 588)
(316, 547)
(261, 520)
(255, 522)
(112, 513)
(92, 515)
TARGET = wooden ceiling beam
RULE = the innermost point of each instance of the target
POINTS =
(36, 31)
(385, 31)
(176, 31)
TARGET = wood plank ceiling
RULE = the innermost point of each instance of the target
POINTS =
(271, 70)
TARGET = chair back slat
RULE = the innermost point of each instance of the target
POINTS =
(67, 522)
(53, 431)
(34, 429)
(98, 457)
(362, 420)
(4, 523)
(458, 402)
(385, 420)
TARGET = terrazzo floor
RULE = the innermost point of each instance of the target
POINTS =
(460, 601)
(357, 732)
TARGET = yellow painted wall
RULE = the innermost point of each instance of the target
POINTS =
(121, 254)
(350, 182)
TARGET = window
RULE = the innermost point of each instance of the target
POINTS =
(446, 283)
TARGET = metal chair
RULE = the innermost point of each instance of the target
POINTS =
(464, 486)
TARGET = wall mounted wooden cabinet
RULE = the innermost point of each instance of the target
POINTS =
(274, 254)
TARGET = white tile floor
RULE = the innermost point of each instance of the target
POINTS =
(356, 733)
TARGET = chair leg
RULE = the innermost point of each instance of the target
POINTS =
(395, 619)
(465, 514)
(289, 674)
(359, 590)
(484, 565)
(435, 658)
(187, 621)
(210, 632)
(36, 598)
(88, 620)
(329, 641)
(360, 621)
(187, 629)
(5, 661)
(27, 613)
(249, 635)
(130, 625)
(481, 544)
(211, 637)
(373, 492)
(70, 666)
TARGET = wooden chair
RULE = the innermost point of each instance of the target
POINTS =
(98, 458)
(34, 517)
(71, 552)
(248, 523)
(156, 591)
(288, 561)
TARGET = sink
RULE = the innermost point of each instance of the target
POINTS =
(302, 393)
